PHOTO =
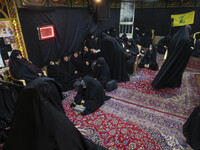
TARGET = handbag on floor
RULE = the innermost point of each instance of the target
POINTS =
(111, 85)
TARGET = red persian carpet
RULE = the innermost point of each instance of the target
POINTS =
(139, 117)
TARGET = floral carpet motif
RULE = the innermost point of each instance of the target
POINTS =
(139, 117)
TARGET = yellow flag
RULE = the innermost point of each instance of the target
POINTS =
(183, 19)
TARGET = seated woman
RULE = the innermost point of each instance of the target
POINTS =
(68, 67)
(40, 122)
(163, 44)
(130, 53)
(102, 71)
(92, 46)
(90, 94)
(81, 64)
(21, 68)
(56, 72)
(196, 52)
(149, 59)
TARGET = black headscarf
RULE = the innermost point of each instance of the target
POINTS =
(93, 94)
(112, 52)
(40, 122)
(170, 75)
(102, 71)
(191, 129)
(62, 77)
(22, 69)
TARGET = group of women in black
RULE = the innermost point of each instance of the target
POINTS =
(96, 64)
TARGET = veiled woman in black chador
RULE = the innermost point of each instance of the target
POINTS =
(8, 99)
(92, 46)
(149, 59)
(196, 52)
(179, 52)
(90, 42)
(40, 122)
(163, 44)
(146, 38)
(91, 94)
(21, 68)
(102, 71)
(191, 129)
(67, 66)
(56, 72)
(81, 65)
(130, 53)
(113, 54)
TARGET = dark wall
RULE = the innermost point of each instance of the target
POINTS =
(159, 19)
(72, 26)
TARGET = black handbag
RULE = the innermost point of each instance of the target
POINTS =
(111, 85)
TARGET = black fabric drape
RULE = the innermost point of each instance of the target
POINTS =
(71, 28)
(160, 19)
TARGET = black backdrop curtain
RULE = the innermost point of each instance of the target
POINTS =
(71, 26)
(159, 19)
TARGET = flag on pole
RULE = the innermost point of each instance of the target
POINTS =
(183, 19)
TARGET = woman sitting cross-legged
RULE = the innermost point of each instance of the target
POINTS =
(21, 68)
(56, 72)
(149, 59)
(90, 94)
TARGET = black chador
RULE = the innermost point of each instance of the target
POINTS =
(196, 52)
(91, 94)
(102, 71)
(170, 75)
(113, 54)
(149, 59)
(8, 99)
(40, 122)
(92, 46)
(191, 129)
(68, 67)
(56, 72)
(90, 42)
(146, 38)
(130, 53)
(20, 68)
(163, 44)
(81, 65)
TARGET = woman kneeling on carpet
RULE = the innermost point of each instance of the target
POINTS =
(90, 94)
